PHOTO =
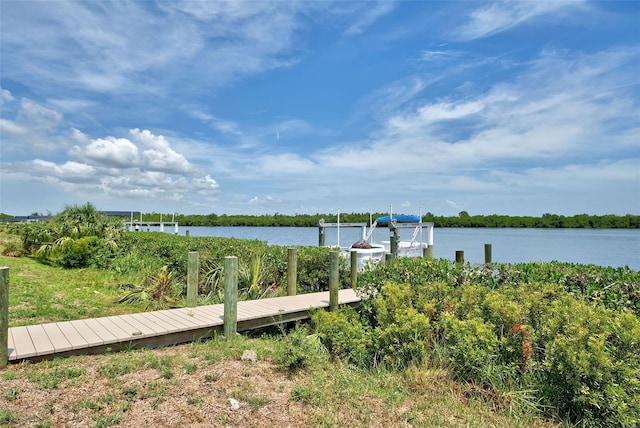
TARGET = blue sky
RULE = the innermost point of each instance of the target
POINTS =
(517, 108)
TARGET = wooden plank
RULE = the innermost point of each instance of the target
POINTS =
(120, 333)
(57, 337)
(11, 347)
(168, 325)
(247, 311)
(213, 313)
(179, 319)
(159, 328)
(101, 331)
(204, 315)
(40, 340)
(79, 334)
(22, 341)
(129, 331)
(140, 325)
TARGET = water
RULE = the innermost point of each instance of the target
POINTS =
(604, 247)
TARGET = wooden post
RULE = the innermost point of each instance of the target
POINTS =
(193, 269)
(4, 317)
(321, 238)
(427, 252)
(334, 279)
(354, 268)
(292, 271)
(487, 253)
(230, 296)
(459, 257)
(393, 239)
(388, 257)
(186, 232)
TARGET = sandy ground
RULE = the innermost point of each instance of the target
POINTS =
(197, 393)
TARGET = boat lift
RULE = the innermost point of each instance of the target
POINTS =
(416, 247)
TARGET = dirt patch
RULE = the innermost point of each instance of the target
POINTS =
(198, 396)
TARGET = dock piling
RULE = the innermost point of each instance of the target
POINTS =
(230, 296)
(487, 253)
(354, 268)
(292, 271)
(334, 279)
(4, 316)
(193, 268)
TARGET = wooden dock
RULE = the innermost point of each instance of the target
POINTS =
(158, 328)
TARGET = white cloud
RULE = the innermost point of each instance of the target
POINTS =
(160, 156)
(128, 48)
(495, 17)
(374, 10)
(285, 163)
(110, 151)
(5, 95)
(206, 185)
(68, 172)
(263, 200)
(11, 127)
(440, 55)
(38, 117)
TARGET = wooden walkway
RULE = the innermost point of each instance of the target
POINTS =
(159, 328)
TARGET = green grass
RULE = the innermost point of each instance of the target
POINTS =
(330, 392)
(39, 293)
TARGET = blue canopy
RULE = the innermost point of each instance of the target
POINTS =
(400, 218)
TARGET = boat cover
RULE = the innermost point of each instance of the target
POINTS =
(400, 218)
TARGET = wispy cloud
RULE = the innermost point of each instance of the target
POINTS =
(353, 103)
(495, 17)
(128, 47)
(372, 12)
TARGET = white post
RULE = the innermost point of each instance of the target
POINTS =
(430, 234)
(131, 224)
(338, 227)
(161, 224)
(420, 222)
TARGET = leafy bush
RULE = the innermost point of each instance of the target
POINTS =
(530, 330)
(159, 291)
(262, 269)
(79, 236)
(344, 335)
(298, 349)
(590, 365)
(12, 248)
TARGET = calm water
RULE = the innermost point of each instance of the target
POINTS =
(608, 247)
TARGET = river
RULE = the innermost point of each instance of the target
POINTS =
(604, 247)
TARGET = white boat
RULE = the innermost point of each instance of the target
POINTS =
(370, 253)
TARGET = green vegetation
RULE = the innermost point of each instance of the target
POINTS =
(152, 267)
(131, 387)
(561, 340)
(435, 343)
(79, 236)
(464, 219)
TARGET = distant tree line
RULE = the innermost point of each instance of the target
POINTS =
(463, 219)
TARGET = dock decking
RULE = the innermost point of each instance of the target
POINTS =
(158, 328)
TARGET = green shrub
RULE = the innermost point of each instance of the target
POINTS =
(298, 349)
(590, 368)
(404, 341)
(342, 333)
(262, 268)
(12, 248)
(471, 345)
(566, 337)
